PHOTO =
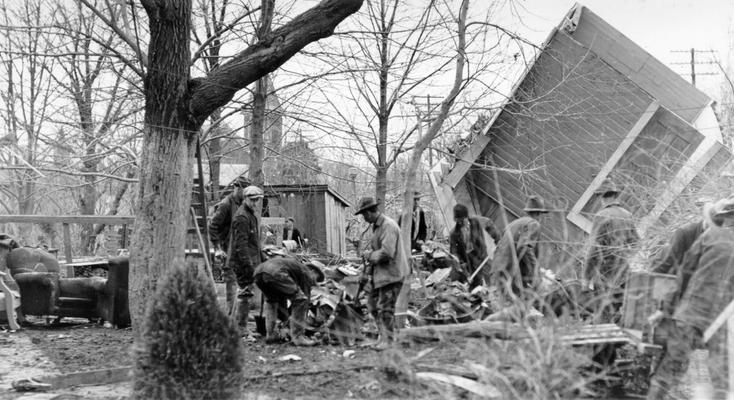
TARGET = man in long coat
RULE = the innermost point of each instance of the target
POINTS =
(515, 268)
(706, 285)
(219, 229)
(245, 253)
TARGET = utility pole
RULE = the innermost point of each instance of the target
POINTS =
(693, 62)
(424, 117)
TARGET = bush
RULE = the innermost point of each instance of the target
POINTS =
(189, 348)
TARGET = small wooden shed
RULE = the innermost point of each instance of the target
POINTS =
(593, 105)
(319, 212)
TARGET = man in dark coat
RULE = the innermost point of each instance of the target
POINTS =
(388, 265)
(418, 227)
(706, 287)
(471, 241)
(291, 233)
(245, 252)
(285, 278)
(612, 241)
(515, 268)
(682, 239)
(219, 228)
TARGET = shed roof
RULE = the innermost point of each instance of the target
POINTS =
(306, 188)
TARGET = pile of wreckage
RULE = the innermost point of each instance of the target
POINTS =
(440, 300)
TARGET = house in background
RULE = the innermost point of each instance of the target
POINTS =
(320, 214)
(593, 105)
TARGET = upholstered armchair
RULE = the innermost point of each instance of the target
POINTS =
(44, 292)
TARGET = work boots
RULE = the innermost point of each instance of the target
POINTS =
(230, 291)
(299, 310)
(271, 319)
(243, 313)
(386, 325)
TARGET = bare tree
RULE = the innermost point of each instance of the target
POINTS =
(176, 107)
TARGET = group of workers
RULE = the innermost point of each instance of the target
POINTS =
(700, 254)
(234, 232)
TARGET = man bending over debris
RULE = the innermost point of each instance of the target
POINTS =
(707, 288)
(387, 269)
(285, 278)
(470, 241)
(515, 268)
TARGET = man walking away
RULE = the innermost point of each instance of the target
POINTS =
(219, 230)
(245, 252)
(612, 240)
(285, 278)
(387, 268)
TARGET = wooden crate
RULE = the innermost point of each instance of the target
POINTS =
(643, 295)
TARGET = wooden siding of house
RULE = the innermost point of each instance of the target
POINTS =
(565, 121)
(308, 210)
(669, 88)
(335, 229)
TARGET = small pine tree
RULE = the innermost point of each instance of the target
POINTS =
(189, 348)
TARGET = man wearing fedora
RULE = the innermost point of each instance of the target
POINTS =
(219, 229)
(245, 252)
(612, 241)
(515, 268)
(706, 288)
(386, 269)
(285, 278)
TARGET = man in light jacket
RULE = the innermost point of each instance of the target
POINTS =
(387, 268)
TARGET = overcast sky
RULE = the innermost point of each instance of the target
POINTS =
(658, 26)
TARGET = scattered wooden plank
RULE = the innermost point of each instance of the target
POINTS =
(86, 378)
(69, 219)
(476, 329)
(480, 389)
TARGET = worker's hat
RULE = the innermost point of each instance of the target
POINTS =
(724, 207)
(241, 181)
(607, 186)
(365, 203)
(253, 192)
(535, 204)
(317, 267)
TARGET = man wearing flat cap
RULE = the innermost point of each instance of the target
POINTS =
(387, 266)
(245, 252)
(515, 268)
(219, 229)
(705, 289)
(612, 241)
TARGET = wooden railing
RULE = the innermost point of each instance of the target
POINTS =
(66, 221)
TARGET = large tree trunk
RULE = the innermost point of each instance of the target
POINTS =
(163, 201)
(257, 133)
(165, 168)
(175, 109)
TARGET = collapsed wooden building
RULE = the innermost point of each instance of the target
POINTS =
(592, 105)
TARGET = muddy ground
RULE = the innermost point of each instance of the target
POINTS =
(324, 372)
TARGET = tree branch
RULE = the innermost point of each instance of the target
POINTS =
(220, 86)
